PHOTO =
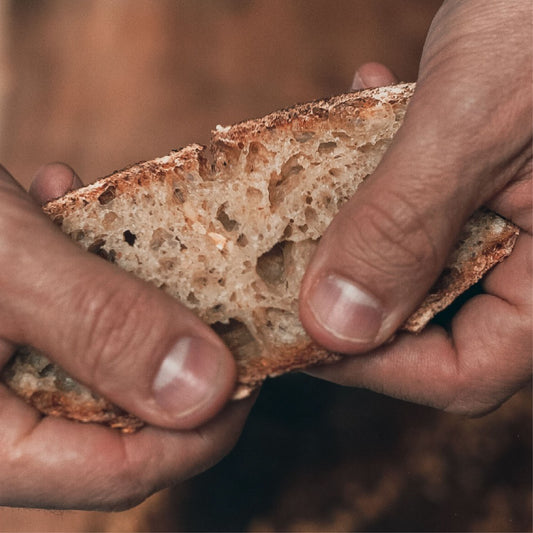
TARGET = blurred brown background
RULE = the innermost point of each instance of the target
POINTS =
(104, 83)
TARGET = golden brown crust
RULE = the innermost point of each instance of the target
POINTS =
(60, 404)
(252, 372)
(306, 117)
(126, 181)
(52, 392)
(302, 117)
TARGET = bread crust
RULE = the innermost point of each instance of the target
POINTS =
(301, 117)
(51, 391)
(237, 152)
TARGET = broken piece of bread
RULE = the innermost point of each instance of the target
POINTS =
(229, 230)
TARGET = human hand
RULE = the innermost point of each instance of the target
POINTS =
(465, 142)
(131, 344)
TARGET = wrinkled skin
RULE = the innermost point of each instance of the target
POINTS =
(110, 331)
(465, 142)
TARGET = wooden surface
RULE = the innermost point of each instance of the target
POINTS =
(104, 83)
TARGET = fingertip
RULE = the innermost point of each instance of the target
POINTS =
(52, 181)
(340, 315)
(372, 74)
(194, 381)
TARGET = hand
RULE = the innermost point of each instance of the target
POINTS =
(124, 339)
(465, 142)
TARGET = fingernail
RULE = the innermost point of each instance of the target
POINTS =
(187, 377)
(345, 310)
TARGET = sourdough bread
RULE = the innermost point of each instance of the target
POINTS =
(229, 230)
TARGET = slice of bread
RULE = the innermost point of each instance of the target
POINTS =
(229, 231)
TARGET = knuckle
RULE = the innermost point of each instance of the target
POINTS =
(125, 488)
(118, 322)
(132, 469)
(479, 388)
(391, 237)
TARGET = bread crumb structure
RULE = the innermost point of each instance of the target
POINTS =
(229, 230)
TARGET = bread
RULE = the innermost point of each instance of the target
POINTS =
(229, 230)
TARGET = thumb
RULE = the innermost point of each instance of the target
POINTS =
(387, 246)
(116, 334)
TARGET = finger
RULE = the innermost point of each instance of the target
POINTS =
(387, 246)
(371, 75)
(88, 466)
(515, 201)
(485, 359)
(53, 181)
(122, 337)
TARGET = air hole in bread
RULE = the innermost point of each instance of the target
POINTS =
(253, 194)
(177, 194)
(341, 135)
(290, 168)
(217, 309)
(281, 184)
(97, 248)
(228, 223)
(192, 299)
(237, 337)
(271, 265)
(109, 219)
(129, 237)
(108, 195)
(327, 147)
(96, 245)
(228, 153)
(287, 232)
(372, 146)
(48, 370)
(257, 156)
(326, 200)
(242, 240)
(303, 136)
(310, 216)
(159, 237)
